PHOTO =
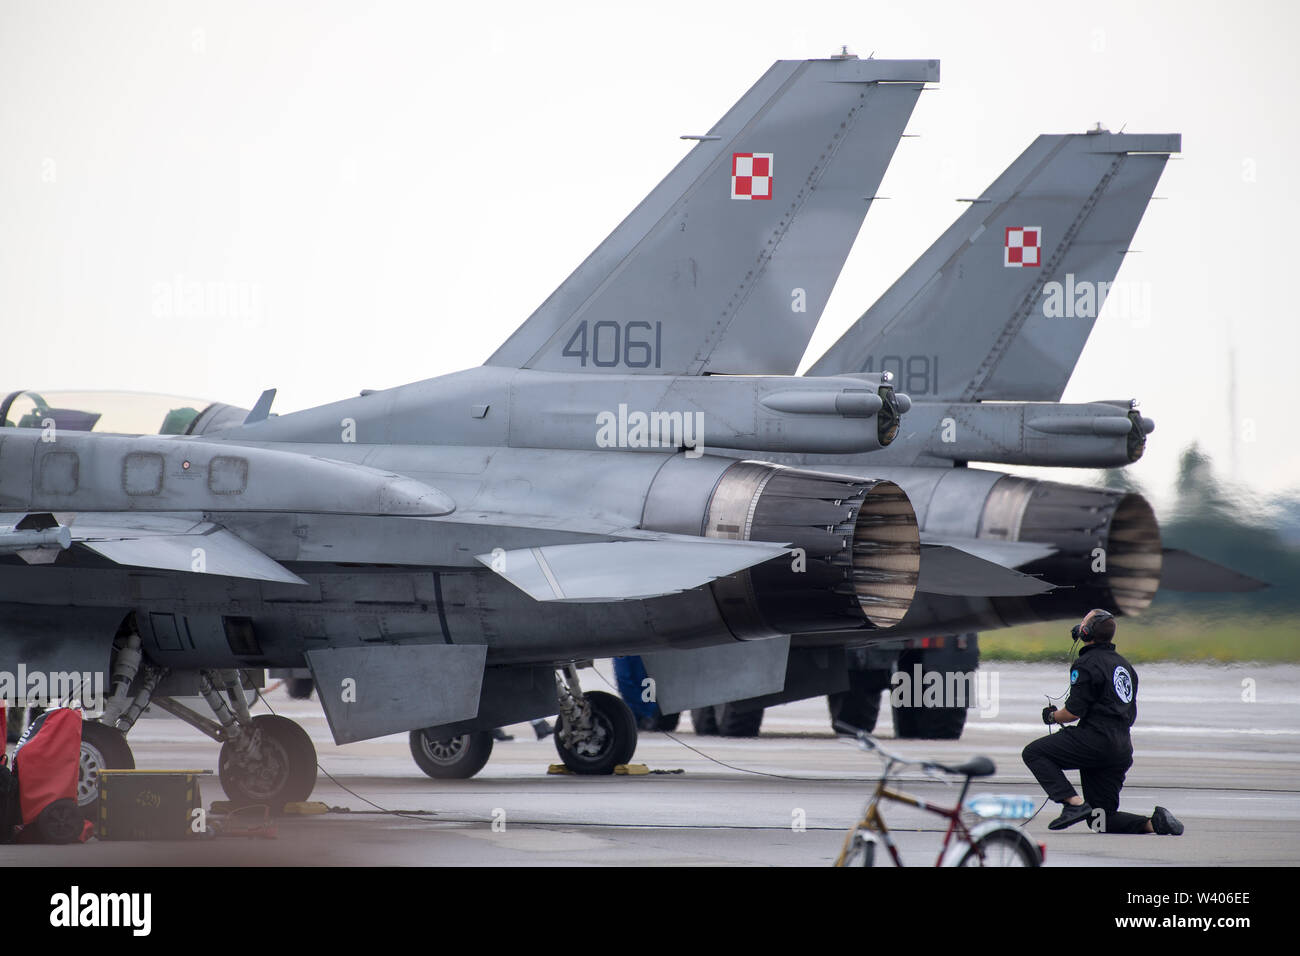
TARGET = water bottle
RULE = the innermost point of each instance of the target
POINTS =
(1001, 806)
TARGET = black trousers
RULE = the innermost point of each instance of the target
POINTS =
(1102, 762)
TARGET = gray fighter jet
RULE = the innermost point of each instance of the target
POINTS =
(440, 555)
(983, 332)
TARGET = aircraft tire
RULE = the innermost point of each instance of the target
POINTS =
(451, 758)
(618, 742)
(102, 748)
(855, 707)
(929, 723)
(668, 722)
(733, 722)
(286, 772)
(705, 722)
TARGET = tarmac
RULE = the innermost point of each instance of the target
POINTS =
(1217, 745)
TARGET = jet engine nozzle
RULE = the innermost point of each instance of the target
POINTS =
(1106, 543)
(856, 544)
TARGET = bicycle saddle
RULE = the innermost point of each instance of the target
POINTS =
(975, 767)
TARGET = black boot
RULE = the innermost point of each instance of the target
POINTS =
(1070, 816)
(1165, 823)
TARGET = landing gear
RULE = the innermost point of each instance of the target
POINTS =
(859, 706)
(727, 720)
(735, 722)
(276, 766)
(299, 688)
(666, 722)
(597, 731)
(265, 759)
(102, 748)
(930, 723)
(705, 721)
(451, 758)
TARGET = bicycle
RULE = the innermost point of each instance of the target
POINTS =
(994, 842)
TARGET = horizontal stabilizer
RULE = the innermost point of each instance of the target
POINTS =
(946, 570)
(1184, 571)
(684, 679)
(388, 689)
(1008, 554)
(625, 570)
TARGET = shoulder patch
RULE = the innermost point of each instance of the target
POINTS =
(1074, 676)
(1123, 683)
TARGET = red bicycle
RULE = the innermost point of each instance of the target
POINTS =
(994, 841)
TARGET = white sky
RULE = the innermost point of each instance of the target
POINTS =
(385, 190)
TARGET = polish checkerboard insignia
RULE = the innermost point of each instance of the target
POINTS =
(751, 175)
(1023, 247)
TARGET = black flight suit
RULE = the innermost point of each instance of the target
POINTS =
(1103, 695)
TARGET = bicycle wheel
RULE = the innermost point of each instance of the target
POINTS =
(1001, 848)
(862, 852)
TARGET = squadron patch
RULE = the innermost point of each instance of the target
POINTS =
(1123, 684)
(1022, 247)
(1074, 676)
(751, 175)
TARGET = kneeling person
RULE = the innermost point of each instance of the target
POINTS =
(1103, 698)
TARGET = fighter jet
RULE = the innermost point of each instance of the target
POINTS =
(983, 332)
(440, 555)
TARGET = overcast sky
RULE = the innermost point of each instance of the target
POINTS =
(379, 192)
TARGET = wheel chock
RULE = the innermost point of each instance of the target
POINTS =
(631, 770)
(305, 808)
(558, 769)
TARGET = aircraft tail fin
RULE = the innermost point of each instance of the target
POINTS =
(1001, 305)
(727, 264)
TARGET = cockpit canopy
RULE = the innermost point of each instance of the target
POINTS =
(121, 413)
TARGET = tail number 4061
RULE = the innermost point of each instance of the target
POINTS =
(611, 344)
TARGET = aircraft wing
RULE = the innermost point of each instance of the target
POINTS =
(166, 542)
(625, 570)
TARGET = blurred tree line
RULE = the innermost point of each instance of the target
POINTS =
(1255, 534)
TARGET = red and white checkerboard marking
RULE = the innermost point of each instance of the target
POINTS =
(751, 175)
(1023, 247)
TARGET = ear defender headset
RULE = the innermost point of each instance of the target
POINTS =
(1083, 632)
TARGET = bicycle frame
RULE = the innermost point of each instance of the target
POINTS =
(873, 822)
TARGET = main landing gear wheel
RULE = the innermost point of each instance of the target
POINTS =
(451, 758)
(299, 688)
(284, 770)
(705, 722)
(612, 741)
(859, 706)
(929, 723)
(734, 722)
(102, 748)
(668, 722)
(726, 720)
